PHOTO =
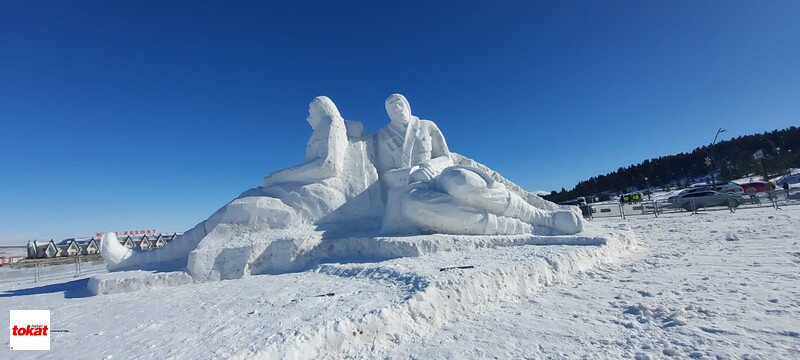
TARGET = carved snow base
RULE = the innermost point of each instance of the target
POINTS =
(311, 250)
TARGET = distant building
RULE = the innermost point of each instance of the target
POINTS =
(8, 260)
(89, 246)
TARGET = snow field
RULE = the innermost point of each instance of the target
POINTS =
(709, 286)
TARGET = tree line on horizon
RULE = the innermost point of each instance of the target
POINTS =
(732, 159)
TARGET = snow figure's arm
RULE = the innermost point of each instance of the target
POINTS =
(397, 177)
(393, 177)
(383, 153)
(440, 148)
(440, 157)
(328, 163)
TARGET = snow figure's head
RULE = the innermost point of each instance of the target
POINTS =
(398, 108)
(320, 108)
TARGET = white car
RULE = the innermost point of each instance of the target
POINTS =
(707, 198)
(727, 187)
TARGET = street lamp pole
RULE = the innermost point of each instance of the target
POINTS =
(711, 150)
(647, 183)
(778, 154)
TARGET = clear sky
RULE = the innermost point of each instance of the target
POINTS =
(118, 115)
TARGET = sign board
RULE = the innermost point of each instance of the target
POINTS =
(758, 155)
(129, 232)
(29, 330)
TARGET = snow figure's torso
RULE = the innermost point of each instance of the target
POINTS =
(402, 146)
(352, 192)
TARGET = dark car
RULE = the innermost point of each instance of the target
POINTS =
(581, 204)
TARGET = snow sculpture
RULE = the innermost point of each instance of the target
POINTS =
(426, 193)
(336, 186)
(337, 193)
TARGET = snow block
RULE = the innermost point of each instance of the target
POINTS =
(127, 281)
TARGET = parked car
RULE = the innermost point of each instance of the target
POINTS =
(759, 186)
(728, 187)
(580, 202)
(576, 202)
(683, 193)
(790, 179)
(708, 198)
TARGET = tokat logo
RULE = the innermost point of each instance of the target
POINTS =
(29, 330)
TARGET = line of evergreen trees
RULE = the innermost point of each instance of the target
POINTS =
(731, 158)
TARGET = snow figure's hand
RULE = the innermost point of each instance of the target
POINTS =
(566, 222)
(422, 172)
(396, 177)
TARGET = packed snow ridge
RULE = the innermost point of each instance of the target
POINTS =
(433, 299)
(357, 196)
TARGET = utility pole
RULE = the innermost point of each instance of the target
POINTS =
(711, 155)
(777, 154)
(647, 183)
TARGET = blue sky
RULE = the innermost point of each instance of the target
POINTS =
(151, 115)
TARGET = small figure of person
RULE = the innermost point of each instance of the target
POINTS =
(786, 189)
(731, 204)
(753, 194)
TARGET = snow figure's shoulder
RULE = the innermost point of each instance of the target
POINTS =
(430, 127)
(428, 124)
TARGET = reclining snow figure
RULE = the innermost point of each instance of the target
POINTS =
(336, 187)
(336, 193)
(427, 194)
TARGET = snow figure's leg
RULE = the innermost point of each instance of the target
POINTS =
(112, 251)
(472, 188)
(117, 256)
(562, 222)
(438, 212)
(255, 211)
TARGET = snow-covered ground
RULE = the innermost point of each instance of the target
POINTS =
(710, 285)
(713, 285)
